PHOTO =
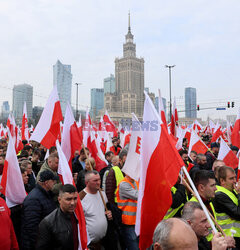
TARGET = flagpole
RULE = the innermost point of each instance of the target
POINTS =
(199, 199)
(214, 220)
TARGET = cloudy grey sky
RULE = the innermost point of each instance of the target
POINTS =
(202, 38)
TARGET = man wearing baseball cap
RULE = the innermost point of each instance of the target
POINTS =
(37, 205)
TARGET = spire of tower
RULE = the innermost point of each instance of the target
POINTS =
(129, 26)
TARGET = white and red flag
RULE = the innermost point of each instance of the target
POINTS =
(217, 133)
(197, 125)
(48, 128)
(87, 128)
(96, 152)
(12, 182)
(180, 138)
(71, 139)
(18, 144)
(66, 177)
(174, 118)
(159, 172)
(161, 108)
(109, 125)
(235, 137)
(211, 126)
(24, 129)
(196, 144)
(132, 164)
(227, 155)
(12, 127)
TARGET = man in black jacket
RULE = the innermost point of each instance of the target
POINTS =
(38, 204)
(59, 230)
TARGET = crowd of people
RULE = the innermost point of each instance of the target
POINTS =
(46, 218)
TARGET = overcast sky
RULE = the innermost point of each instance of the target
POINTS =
(202, 38)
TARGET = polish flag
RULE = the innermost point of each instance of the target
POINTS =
(12, 182)
(197, 125)
(18, 144)
(101, 128)
(212, 126)
(174, 119)
(2, 134)
(66, 177)
(217, 132)
(71, 139)
(24, 130)
(12, 127)
(108, 140)
(161, 108)
(196, 144)
(157, 175)
(132, 164)
(87, 128)
(48, 127)
(235, 138)
(180, 139)
(110, 127)
(96, 152)
(227, 155)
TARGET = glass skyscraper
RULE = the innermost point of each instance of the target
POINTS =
(62, 76)
(97, 101)
(190, 103)
(109, 84)
(22, 93)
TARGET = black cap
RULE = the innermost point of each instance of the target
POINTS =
(215, 145)
(47, 175)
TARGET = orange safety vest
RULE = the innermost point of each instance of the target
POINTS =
(128, 207)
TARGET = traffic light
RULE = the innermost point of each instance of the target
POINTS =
(228, 104)
(198, 108)
(232, 104)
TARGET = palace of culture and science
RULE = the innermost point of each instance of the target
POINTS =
(129, 76)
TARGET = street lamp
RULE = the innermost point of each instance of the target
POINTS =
(170, 87)
(77, 100)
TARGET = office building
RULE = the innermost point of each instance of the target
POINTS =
(97, 101)
(190, 103)
(62, 76)
(22, 93)
(5, 110)
(109, 84)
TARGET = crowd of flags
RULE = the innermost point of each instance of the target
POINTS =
(152, 158)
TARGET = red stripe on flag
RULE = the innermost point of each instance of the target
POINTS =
(231, 160)
(162, 174)
(51, 136)
(199, 147)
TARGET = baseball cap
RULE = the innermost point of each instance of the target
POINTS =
(47, 175)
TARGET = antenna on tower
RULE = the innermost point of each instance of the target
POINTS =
(129, 27)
